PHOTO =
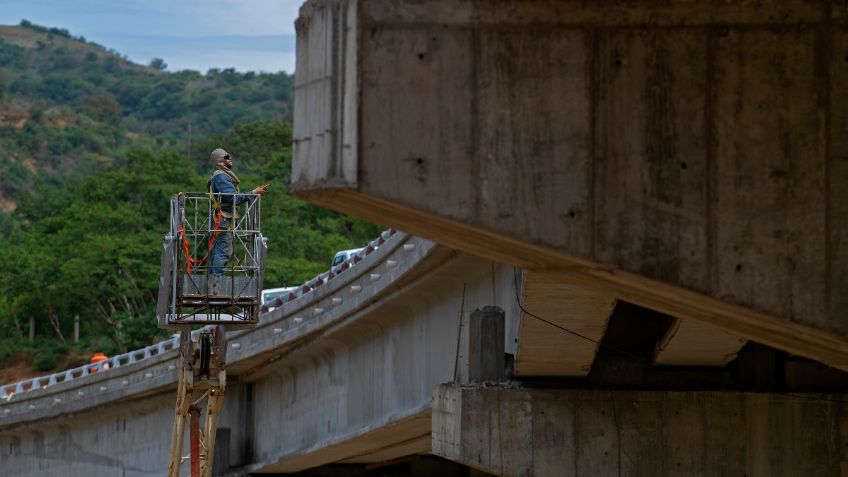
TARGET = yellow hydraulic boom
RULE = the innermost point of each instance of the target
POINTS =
(202, 372)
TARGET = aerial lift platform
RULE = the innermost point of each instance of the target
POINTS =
(201, 307)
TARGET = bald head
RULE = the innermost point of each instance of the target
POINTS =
(221, 157)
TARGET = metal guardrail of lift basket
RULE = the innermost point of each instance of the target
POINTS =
(188, 293)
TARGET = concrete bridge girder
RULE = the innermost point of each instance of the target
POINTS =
(690, 343)
(544, 350)
(683, 156)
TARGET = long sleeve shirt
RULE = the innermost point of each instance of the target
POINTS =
(226, 192)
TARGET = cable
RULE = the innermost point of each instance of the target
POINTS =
(651, 363)
(617, 430)
(459, 333)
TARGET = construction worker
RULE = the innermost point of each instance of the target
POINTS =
(225, 195)
(99, 358)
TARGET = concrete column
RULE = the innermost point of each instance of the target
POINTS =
(482, 356)
(587, 432)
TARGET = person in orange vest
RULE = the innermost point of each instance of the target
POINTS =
(99, 358)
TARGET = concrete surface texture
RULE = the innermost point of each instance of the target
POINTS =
(571, 432)
(127, 438)
(685, 156)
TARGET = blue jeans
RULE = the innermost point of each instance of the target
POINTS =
(223, 248)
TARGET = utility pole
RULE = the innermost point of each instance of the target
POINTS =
(32, 329)
(188, 146)
(76, 328)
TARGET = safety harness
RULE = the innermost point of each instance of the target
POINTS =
(219, 214)
(190, 260)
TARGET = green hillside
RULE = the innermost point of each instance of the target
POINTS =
(68, 106)
(92, 148)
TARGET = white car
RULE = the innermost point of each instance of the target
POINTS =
(271, 294)
(344, 255)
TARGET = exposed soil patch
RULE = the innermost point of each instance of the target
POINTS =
(18, 368)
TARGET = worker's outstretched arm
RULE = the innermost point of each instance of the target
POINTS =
(223, 185)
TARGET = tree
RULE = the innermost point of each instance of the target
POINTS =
(158, 64)
(103, 107)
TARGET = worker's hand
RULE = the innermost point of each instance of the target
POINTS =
(261, 190)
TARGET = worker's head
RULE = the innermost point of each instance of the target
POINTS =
(221, 158)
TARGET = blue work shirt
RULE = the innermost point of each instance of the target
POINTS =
(221, 183)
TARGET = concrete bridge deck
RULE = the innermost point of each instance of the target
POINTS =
(688, 157)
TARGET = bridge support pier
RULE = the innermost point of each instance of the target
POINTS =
(591, 432)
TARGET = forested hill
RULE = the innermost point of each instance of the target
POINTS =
(67, 106)
(91, 148)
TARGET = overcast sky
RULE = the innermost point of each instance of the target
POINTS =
(248, 35)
